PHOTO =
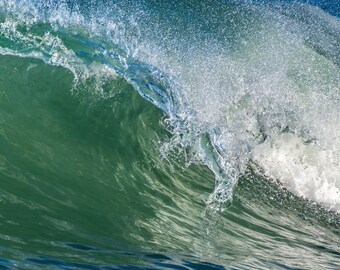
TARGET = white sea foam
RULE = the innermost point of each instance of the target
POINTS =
(304, 169)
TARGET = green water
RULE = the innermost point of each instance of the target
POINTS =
(80, 168)
(73, 169)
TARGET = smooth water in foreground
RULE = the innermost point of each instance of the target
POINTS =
(176, 135)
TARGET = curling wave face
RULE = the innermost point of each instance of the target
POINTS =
(233, 78)
(251, 90)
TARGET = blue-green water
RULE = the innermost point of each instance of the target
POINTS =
(169, 135)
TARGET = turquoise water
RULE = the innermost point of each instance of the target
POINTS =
(177, 135)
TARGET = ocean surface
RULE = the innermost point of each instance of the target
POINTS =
(169, 134)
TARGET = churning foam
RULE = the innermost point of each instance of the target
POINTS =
(304, 169)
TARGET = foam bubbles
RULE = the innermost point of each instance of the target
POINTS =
(305, 169)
